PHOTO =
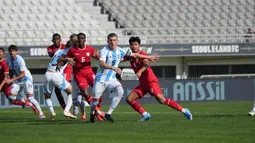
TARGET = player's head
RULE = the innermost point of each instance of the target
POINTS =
(134, 44)
(112, 40)
(13, 50)
(81, 39)
(73, 37)
(1, 53)
(56, 39)
(70, 43)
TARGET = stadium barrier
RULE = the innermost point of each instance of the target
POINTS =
(199, 90)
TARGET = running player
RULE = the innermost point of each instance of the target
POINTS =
(55, 77)
(20, 78)
(148, 84)
(6, 88)
(83, 72)
(110, 57)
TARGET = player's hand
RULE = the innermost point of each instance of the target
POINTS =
(138, 74)
(8, 81)
(117, 70)
(71, 61)
(153, 58)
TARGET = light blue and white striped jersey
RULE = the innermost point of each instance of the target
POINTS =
(54, 60)
(112, 58)
(18, 65)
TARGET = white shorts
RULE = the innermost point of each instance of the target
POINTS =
(18, 86)
(100, 87)
(54, 79)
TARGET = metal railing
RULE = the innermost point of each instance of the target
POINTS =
(227, 76)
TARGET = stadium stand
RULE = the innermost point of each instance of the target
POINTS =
(32, 22)
(184, 21)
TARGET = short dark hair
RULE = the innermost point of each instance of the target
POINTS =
(81, 34)
(112, 35)
(69, 43)
(13, 47)
(134, 39)
(73, 35)
(2, 49)
(56, 34)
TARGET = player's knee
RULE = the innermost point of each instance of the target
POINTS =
(160, 98)
(129, 99)
(120, 92)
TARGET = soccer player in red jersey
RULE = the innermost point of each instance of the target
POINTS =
(6, 88)
(83, 72)
(56, 39)
(148, 84)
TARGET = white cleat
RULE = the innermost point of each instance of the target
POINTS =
(69, 115)
(252, 113)
(52, 116)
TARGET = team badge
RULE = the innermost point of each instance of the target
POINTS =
(88, 54)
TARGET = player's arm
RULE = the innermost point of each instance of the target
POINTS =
(149, 57)
(96, 55)
(102, 63)
(63, 59)
(22, 69)
(144, 67)
(50, 52)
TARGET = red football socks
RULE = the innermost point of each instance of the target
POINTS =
(16, 102)
(173, 104)
(135, 105)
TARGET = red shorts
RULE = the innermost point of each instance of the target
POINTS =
(6, 89)
(84, 80)
(153, 88)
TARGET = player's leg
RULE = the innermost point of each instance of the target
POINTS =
(29, 90)
(117, 90)
(90, 79)
(47, 94)
(7, 91)
(60, 98)
(83, 86)
(98, 91)
(158, 94)
(15, 88)
(137, 93)
(60, 82)
(252, 113)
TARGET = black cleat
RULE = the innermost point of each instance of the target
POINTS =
(109, 118)
(92, 118)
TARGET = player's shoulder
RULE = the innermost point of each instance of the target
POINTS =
(105, 50)
(50, 47)
(63, 46)
(89, 47)
(142, 52)
(19, 59)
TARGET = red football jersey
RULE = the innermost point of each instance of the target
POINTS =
(82, 58)
(3, 69)
(136, 64)
(53, 49)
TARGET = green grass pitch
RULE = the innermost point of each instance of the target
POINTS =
(216, 122)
